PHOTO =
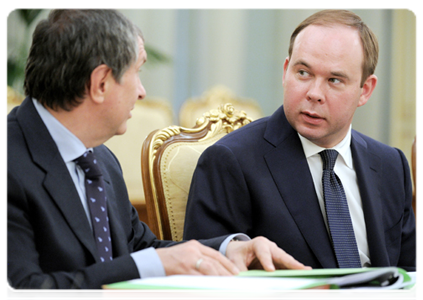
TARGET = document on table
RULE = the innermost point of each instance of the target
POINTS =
(217, 283)
(250, 284)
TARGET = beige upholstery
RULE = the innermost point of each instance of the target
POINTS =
(14, 98)
(148, 115)
(218, 95)
(169, 157)
(415, 167)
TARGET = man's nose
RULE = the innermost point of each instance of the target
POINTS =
(316, 91)
(141, 91)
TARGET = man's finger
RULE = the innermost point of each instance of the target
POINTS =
(224, 265)
(272, 257)
(283, 260)
(264, 255)
(212, 267)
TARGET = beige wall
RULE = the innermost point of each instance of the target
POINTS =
(245, 49)
(403, 101)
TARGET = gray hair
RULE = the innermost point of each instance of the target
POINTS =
(69, 45)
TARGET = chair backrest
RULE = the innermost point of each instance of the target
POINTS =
(415, 167)
(169, 157)
(14, 98)
(218, 95)
(148, 115)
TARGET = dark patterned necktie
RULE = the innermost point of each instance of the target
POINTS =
(338, 215)
(96, 198)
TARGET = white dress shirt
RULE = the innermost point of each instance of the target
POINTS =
(70, 148)
(344, 168)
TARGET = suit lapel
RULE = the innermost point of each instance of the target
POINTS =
(290, 171)
(57, 182)
(367, 165)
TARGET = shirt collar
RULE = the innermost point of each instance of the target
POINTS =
(70, 147)
(343, 148)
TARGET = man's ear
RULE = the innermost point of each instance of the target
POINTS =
(367, 89)
(100, 82)
(285, 68)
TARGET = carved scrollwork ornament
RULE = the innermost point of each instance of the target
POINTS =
(225, 117)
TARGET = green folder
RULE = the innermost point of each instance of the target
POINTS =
(257, 284)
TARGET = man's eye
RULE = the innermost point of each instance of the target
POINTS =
(334, 80)
(303, 73)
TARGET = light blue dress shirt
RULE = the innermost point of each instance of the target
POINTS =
(70, 148)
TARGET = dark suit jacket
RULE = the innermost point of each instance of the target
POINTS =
(256, 180)
(50, 242)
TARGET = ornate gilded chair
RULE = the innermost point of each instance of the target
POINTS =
(218, 95)
(169, 157)
(148, 115)
(14, 98)
(415, 167)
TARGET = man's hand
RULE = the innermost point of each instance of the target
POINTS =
(195, 259)
(260, 253)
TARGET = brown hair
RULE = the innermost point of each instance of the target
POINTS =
(347, 18)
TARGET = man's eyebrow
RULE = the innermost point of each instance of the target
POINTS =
(333, 73)
(301, 62)
(340, 74)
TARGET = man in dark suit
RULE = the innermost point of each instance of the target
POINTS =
(266, 178)
(82, 82)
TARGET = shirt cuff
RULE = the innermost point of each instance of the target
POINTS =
(148, 263)
(232, 237)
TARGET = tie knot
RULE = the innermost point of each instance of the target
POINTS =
(88, 164)
(329, 158)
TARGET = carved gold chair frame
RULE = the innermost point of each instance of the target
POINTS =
(162, 219)
(212, 98)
